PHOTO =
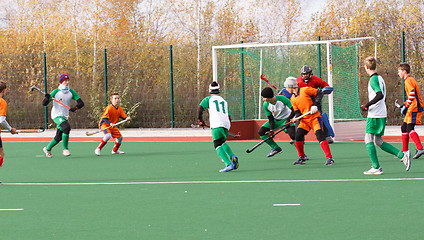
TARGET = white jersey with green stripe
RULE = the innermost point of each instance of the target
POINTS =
(280, 110)
(65, 97)
(218, 111)
(375, 85)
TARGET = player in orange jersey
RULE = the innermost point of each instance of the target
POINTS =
(3, 122)
(110, 117)
(413, 110)
(307, 99)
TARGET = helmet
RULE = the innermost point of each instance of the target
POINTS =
(290, 82)
(306, 69)
(214, 88)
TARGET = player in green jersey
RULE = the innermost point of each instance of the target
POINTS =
(60, 113)
(220, 123)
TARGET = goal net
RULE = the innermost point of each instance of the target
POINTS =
(237, 68)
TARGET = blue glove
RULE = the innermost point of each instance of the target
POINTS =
(327, 90)
(403, 109)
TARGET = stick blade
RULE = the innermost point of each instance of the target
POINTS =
(89, 133)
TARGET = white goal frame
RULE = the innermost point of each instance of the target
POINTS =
(328, 44)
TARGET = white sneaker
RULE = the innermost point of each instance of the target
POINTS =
(374, 171)
(406, 159)
(66, 152)
(97, 151)
(118, 152)
(48, 153)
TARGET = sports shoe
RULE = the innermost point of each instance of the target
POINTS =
(418, 154)
(66, 153)
(234, 160)
(300, 160)
(291, 142)
(305, 158)
(228, 168)
(274, 152)
(329, 139)
(374, 171)
(48, 153)
(118, 152)
(329, 161)
(406, 159)
(97, 151)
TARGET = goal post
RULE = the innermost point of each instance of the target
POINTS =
(341, 62)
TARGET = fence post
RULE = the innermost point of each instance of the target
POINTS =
(319, 58)
(171, 83)
(243, 102)
(46, 111)
(105, 65)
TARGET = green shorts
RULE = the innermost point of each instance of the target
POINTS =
(375, 126)
(219, 133)
(58, 121)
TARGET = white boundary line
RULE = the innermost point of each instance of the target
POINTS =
(16, 209)
(285, 204)
(217, 182)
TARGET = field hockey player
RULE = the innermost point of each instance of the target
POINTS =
(220, 122)
(60, 113)
(110, 117)
(3, 122)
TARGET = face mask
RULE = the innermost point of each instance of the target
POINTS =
(63, 88)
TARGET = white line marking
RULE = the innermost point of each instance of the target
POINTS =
(16, 209)
(218, 182)
(285, 204)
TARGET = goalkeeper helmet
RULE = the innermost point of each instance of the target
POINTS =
(306, 70)
(214, 88)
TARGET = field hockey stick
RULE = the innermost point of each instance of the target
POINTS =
(266, 80)
(40, 130)
(54, 99)
(229, 133)
(397, 104)
(100, 130)
(277, 132)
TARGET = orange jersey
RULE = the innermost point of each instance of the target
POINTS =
(304, 101)
(113, 114)
(415, 101)
(3, 107)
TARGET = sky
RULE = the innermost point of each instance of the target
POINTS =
(312, 6)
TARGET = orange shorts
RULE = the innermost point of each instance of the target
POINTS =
(413, 117)
(313, 123)
(113, 131)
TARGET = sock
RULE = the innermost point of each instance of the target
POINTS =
(102, 144)
(299, 147)
(387, 147)
(65, 139)
(405, 142)
(326, 148)
(221, 152)
(270, 142)
(372, 152)
(52, 143)
(1, 161)
(414, 136)
(227, 149)
(116, 147)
